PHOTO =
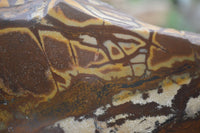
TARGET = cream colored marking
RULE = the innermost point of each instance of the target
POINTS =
(88, 39)
(108, 106)
(45, 22)
(117, 117)
(102, 127)
(109, 75)
(132, 47)
(164, 98)
(96, 71)
(139, 58)
(109, 44)
(139, 69)
(59, 15)
(169, 91)
(74, 4)
(110, 19)
(19, 2)
(121, 98)
(101, 110)
(147, 126)
(70, 125)
(142, 31)
(4, 3)
(144, 124)
(124, 36)
(193, 107)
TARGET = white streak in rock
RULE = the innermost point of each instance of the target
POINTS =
(124, 36)
(88, 39)
(70, 125)
(164, 98)
(142, 125)
(193, 107)
(101, 110)
(117, 117)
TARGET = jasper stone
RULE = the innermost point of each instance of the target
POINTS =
(70, 66)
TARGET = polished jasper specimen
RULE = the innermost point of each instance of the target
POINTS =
(81, 66)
